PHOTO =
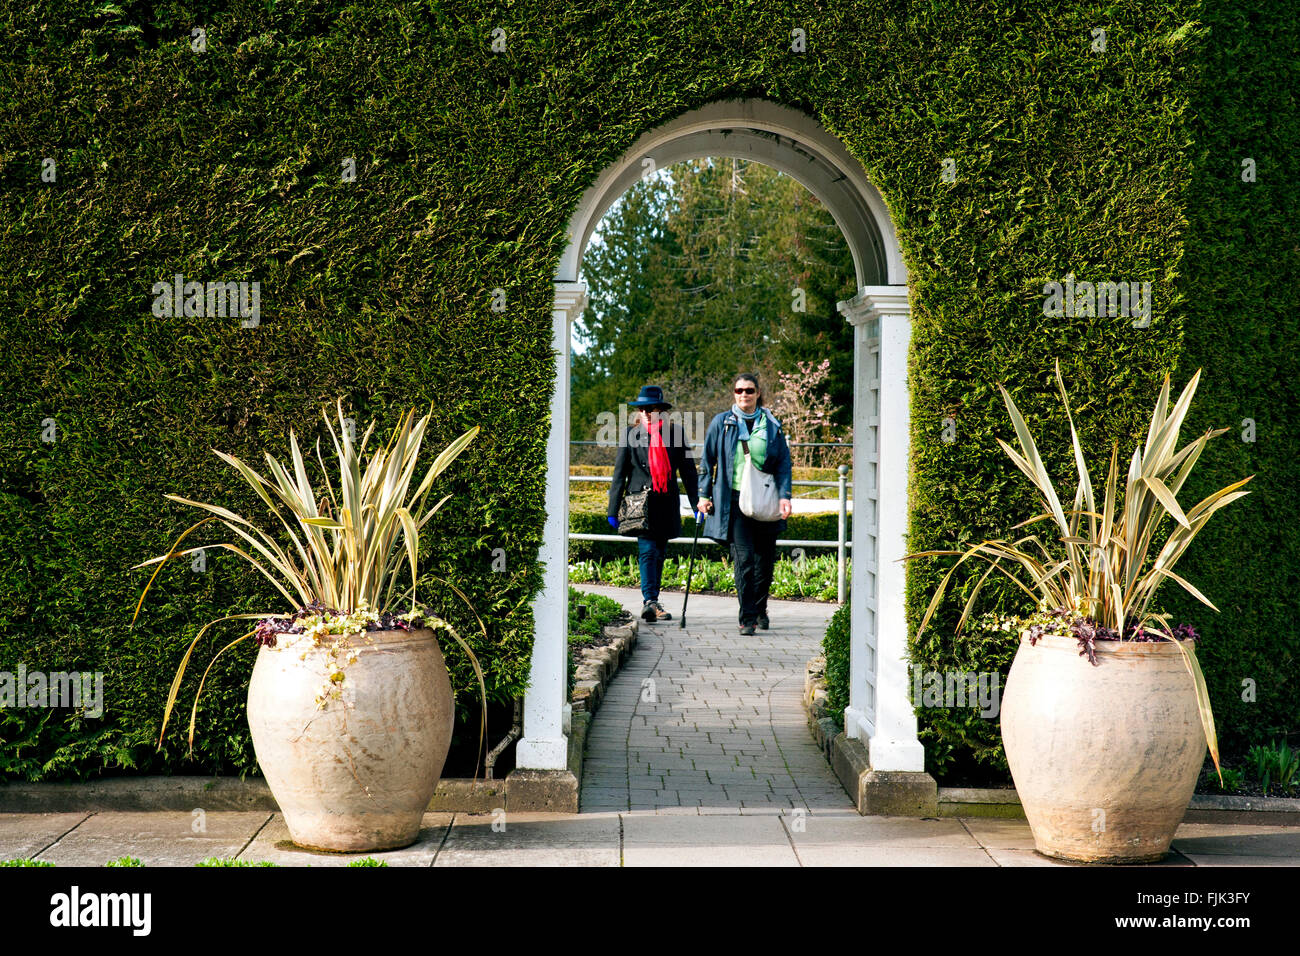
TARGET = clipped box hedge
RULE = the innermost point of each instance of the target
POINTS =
(225, 165)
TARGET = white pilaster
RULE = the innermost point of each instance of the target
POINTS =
(880, 710)
(545, 744)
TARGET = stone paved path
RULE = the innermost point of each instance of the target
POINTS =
(701, 719)
(745, 837)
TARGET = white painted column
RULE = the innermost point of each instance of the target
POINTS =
(859, 716)
(545, 744)
(880, 710)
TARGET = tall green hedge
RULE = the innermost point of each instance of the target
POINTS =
(225, 165)
(1241, 324)
(1098, 198)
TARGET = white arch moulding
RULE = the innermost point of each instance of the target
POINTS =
(880, 713)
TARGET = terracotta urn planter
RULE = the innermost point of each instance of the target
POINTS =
(1104, 758)
(357, 774)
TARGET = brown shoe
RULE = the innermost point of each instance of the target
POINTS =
(660, 613)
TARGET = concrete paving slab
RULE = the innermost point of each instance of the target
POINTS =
(1000, 833)
(23, 835)
(1238, 840)
(902, 832)
(532, 839)
(1006, 856)
(274, 845)
(157, 838)
(848, 854)
(708, 840)
(1216, 844)
(1226, 859)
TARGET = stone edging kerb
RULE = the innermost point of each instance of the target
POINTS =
(600, 664)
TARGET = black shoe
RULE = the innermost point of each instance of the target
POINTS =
(747, 629)
(648, 612)
(763, 622)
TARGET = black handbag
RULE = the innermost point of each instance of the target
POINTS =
(633, 513)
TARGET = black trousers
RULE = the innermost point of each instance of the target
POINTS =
(753, 553)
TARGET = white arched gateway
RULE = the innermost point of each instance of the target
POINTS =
(880, 714)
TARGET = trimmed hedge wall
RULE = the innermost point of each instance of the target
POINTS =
(225, 165)
(1241, 261)
(1095, 197)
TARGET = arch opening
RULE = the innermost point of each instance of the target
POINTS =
(880, 712)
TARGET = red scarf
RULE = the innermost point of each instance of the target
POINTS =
(660, 468)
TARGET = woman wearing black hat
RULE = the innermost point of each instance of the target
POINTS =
(653, 455)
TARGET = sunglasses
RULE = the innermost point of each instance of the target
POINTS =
(746, 391)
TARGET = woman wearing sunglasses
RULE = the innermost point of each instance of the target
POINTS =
(753, 543)
(653, 455)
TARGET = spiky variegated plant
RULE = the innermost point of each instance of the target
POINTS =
(1102, 564)
(350, 544)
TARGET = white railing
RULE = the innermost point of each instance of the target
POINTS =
(841, 542)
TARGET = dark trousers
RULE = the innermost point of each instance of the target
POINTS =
(650, 555)
(753, 552)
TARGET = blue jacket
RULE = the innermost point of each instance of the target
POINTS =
(719, 456)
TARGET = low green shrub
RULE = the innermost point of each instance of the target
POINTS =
(835, 647)
(601, 611)
(1233, 779)
(1276, 765)
(226, 861)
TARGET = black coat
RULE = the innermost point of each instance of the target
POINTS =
(632, 475)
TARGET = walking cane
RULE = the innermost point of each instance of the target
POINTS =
(690, 565)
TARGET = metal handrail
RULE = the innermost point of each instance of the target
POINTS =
(792, 543)
(792, 444)
(797, 481)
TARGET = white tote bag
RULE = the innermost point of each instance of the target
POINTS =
(759, 497)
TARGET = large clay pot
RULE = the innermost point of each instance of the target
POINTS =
(358, 774)
(1104, 758)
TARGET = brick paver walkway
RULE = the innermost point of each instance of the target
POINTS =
(700, 718)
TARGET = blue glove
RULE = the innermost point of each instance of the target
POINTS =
(613, 522)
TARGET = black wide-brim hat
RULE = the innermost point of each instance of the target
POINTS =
(650, 395)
